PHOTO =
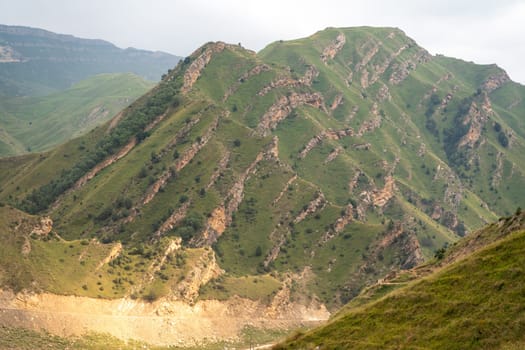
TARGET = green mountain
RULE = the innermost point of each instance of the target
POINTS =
(38, 62)
(474, 302)
(295, 176)
(30, 124)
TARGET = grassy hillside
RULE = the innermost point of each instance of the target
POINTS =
(32, 124)
(475, 302)
(325, 162)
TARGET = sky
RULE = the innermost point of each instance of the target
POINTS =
(482, 31)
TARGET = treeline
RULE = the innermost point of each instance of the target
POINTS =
(138, 116)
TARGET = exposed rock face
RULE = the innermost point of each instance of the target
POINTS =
(383, 94)
(282, 108)
(181, 162)
(194, 70)
(258, 69)
(333, 155)
(285, 189)
(476, 117)
(306, 80)
(278, 238)
(113, 254)
(378, 70)
(8, 55)
(329, 134)
(338, 100)
(222, 215)
(353, 113)
(495, 81)
(381, 197)
(331, 50)
(402, 70)
(44, 228)
(110, 160)
(201, 273)
(223, 163)
(371, 124)
(346, 218)
(315, 205)
(177, 216)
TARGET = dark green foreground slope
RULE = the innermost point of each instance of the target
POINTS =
(477, 302)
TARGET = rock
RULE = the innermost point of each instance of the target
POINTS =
(194, 70)
(333, 48)
(282, 108)
(44, 228)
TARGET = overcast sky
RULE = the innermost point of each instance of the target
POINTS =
(483, 31)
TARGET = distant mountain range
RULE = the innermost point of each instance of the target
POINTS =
(37, 62)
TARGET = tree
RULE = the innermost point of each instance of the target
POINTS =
(258, 251)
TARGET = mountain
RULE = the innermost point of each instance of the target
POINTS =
(32, 124)
(38, 62)
(281, 182)
(474, 301)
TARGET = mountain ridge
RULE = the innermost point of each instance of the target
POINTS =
(324, 163)
(35, 61)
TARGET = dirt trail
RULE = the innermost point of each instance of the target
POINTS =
(162, 322)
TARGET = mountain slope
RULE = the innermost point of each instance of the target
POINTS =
(39, 123)
(38, 62)
(327, 162)
(476, 302)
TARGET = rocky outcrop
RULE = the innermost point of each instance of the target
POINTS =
(317, 204)
(282, 108)
(329, 134)
(401, 70)
(202, 271)
(333, 155)
(221, 216)
(306, 80)
(364, 78)
(383, 94)
(371, 124)
(341, 222)
(9, 55)
(495, 81)
(278, 237)
(44, 228)
(181, 162)
(258, 69)
(333, 48)
(338, 100)
(353, 113)
(108, 161)
(497, 174)
(113, 254)
(352, 184)
(381, 197)
(285, 189)
(223, 163)
(178, 215)
(194, 70)
(476, 118)
(378, 70)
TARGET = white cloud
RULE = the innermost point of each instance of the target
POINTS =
(483, 31)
